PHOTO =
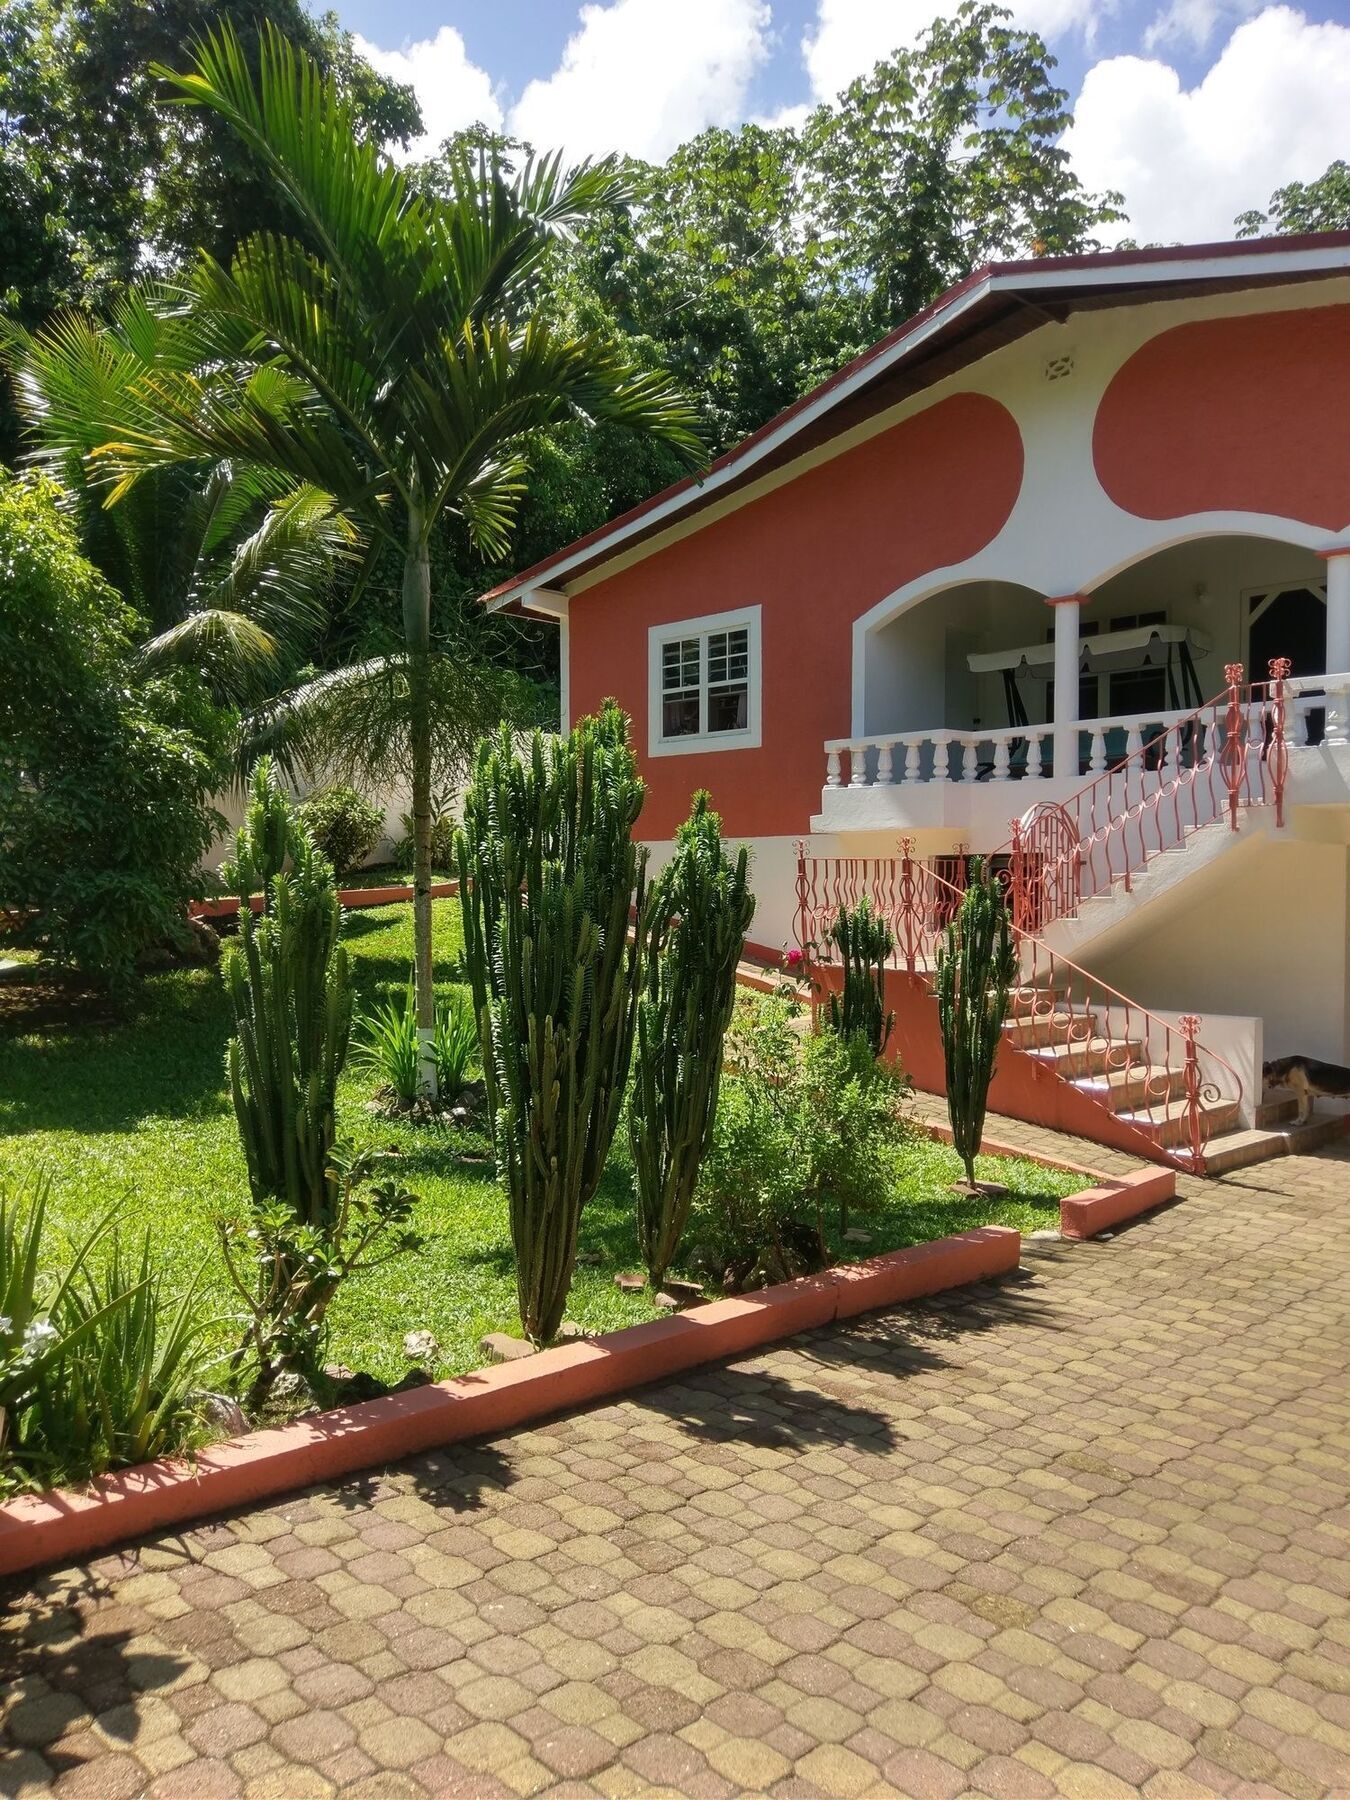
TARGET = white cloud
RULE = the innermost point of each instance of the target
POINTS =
(1271, 109)
(642, 76)
(451, 90)
(849, 37)
(1192, 23)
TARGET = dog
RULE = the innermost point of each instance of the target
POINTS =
(1309, 1079)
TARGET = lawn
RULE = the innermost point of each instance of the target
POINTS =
(136, 1113)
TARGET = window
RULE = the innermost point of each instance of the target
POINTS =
(704, 684)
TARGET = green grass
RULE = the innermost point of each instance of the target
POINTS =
(137, 1112)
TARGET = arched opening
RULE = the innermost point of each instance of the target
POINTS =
(917, 667)
(1240, 599)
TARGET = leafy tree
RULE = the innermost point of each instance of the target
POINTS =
(393, 356)
(104, 779)
(947, 155)
(229, 565)
(96, 180)
(1299, 206)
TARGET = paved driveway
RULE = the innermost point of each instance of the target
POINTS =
(1085, 1532)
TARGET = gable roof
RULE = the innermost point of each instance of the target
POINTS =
(990, 308)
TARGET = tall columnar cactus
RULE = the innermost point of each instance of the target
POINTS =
(864, 941)
(549, 876)
(290, 990)
(976, 966)
(694, 929)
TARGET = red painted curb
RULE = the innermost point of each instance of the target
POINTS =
(1118, 1198)
(352, 898)
(63, 1525)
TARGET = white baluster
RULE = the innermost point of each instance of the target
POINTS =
(1097, 756)
(1033, 755)
(857, 765)
(884, 765)
(1134, 740)
(913, 755)
(832, 776)
(941, 763)
(1000, 759)
(970, 758)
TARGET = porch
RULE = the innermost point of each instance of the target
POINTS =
(979, 699)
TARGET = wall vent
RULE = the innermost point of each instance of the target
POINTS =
(1059, 368)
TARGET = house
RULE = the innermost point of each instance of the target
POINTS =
(985, 590)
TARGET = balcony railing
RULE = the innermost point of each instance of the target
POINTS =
(1155, 741)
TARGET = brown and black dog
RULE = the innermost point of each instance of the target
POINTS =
(1309, 1079)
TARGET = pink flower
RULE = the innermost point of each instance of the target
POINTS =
(793, 959)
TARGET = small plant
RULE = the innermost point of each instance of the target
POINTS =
(343, 825)
(123, 1389)
(98, 1368)
(976, 966)
(288, 1272)
(549, 876)
(385, 1042)
(698, 911)
(850, 1105)
(442, 835)
(864, 941)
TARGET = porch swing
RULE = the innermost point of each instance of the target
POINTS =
(1149, 649)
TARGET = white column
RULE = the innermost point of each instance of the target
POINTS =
(1338, 640)
(1068, 608)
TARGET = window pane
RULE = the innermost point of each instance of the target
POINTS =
(679, 716)
(679, 664)
(729, 708)
(728, 655)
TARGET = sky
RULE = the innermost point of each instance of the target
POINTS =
(1194, 109)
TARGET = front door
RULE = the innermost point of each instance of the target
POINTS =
(1290, 622)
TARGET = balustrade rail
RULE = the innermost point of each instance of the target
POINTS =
(1127, 1060)
(1024, 752)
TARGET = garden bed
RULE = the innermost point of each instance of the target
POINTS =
(137, 1111)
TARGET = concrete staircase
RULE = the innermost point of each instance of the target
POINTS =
(1275, 1134)
(1110, 1070)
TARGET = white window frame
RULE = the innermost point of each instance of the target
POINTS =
(745, 618)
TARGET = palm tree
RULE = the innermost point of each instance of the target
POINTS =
(228, 563)
(388, 349)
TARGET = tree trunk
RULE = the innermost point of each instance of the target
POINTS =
(417, 635)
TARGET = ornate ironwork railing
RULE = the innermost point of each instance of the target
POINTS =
(1126, 1059)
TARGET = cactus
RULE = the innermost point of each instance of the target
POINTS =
(694, 932)
(548, 879)
(864, 941)
(290, 991)
(976, 966)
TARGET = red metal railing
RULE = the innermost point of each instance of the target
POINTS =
(1192, 771)
(1164, 1077)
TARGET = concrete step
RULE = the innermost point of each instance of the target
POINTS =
(1023, 1000)
(1169, 1125)
(1240, 1149)
(1088, 1056)
(1046, 1029)
(1124, 1089)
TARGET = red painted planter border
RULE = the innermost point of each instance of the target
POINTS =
(1109, 1201)
(62, 1526)
(353, 898)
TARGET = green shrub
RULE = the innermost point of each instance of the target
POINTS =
(803, 1125)
(385, 1043)
(288, 1272)
(442, 836)
(105, 777)
(694, 926)
(344, 826)
(99, 1367)
(549, 875)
